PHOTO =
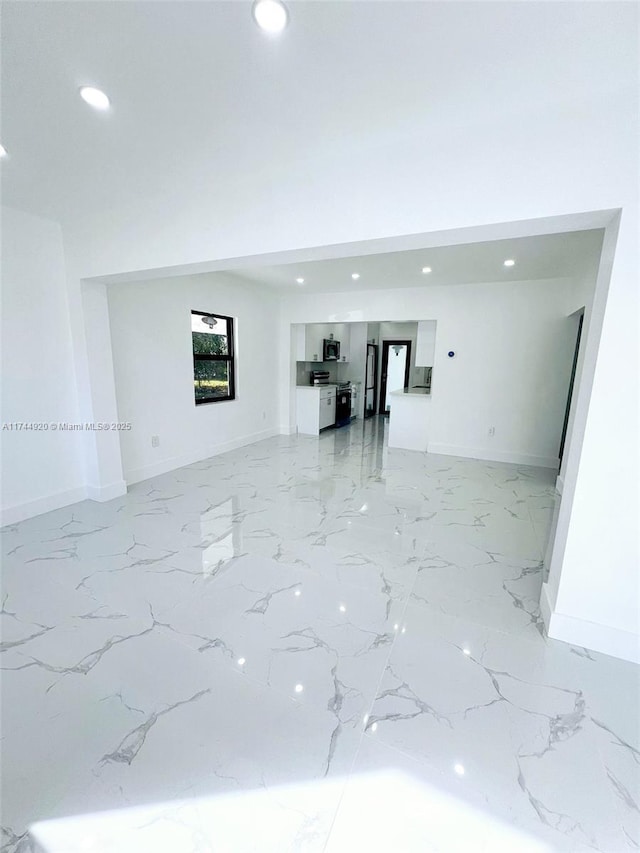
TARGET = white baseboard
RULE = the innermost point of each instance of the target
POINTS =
(20, 512)
(107, 493)
(588, 635)
(559, 484)
(493, 455)
(137, 475)
(288, 430)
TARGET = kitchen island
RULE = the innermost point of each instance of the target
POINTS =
(409, 418)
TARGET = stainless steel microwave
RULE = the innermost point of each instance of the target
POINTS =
(330, 350)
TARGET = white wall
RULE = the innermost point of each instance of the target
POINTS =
(512, 365)
(153, 364)
(511, 370)
(41, 470)
(592, 597)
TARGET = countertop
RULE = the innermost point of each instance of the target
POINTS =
(317, 387)
(411, 392)
(330, 384)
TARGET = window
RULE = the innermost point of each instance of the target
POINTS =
(213, 357)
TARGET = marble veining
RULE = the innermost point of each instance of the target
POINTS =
(307, 644)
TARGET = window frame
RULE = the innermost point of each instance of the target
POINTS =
(230, 358)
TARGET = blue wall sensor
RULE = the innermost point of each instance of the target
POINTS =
(451, 353)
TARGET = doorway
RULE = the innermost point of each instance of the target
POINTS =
(396, 363)
(571, 384)
(371, 381)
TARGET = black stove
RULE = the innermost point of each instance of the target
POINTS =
(343, 404)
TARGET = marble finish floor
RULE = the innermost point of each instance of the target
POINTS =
(307, 645)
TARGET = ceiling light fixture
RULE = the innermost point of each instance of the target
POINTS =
(355, 276)
(3, 151)
(95, 98)
(510, 263)
(270, 15)
(426, 270)
(300, 280)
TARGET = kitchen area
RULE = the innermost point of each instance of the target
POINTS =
(330, 367)
(350, 371)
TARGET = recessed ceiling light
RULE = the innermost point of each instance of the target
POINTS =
(510, 263)
(426, 270)
(459, 769)
(355, 276)
(3, 151)
(270, 15)
(300, 280)
(94, 97)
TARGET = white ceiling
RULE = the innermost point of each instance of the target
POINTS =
(548, 256)
(202, 100)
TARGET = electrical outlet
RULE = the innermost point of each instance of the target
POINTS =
(155, 441)
(492, 430)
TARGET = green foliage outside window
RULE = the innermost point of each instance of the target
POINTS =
(205, 343)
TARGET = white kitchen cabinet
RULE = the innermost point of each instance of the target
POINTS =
(314, 335)
(426, 343)
(310, 339)
(342, 332)
(327, 407)
(316, 408)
